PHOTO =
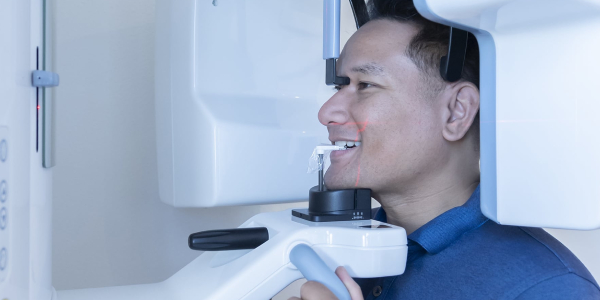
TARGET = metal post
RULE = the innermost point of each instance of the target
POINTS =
(321, 185)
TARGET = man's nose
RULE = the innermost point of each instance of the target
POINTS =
(335, 110)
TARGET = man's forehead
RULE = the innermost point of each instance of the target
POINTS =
(375, 45)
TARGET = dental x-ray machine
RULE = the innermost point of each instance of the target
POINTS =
(238, 88)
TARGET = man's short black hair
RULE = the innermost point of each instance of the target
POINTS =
(431, 42)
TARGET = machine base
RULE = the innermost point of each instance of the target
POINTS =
(366, 248)
(332, 217)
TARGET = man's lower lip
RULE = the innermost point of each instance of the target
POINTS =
(335, 155)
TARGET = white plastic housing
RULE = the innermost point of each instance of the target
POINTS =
(238, 88)
(540, 140)
(262, 272)
(25, 198)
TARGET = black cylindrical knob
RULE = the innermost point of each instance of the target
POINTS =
(228, 239)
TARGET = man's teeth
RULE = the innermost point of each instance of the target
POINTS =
(348, 144)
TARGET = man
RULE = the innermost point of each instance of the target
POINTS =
(419, 154)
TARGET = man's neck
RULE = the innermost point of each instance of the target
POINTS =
(415, 210)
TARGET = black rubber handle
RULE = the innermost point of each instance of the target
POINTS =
(228, 239)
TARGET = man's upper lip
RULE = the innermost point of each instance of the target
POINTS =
(336, 138)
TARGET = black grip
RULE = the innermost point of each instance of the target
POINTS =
(228, 239)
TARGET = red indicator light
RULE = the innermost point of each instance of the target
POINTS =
(38, 107)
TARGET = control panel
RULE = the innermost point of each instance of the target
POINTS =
(4, 203)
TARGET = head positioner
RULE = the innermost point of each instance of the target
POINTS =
(451, 65)
(539, 142)
(331, 41)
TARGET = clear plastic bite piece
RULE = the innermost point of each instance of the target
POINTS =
(315, 164)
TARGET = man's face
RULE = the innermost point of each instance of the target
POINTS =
(386, 110)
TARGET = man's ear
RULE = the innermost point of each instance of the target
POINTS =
(462, 105)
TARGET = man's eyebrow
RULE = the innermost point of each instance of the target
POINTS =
(368, 69)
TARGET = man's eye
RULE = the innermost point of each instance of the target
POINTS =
(364, 85)
(337, 87)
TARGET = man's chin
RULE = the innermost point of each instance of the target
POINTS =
(336, 183)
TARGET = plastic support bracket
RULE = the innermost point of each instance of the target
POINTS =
(331, 77)
(41, 78)
(360, 11)
(451, 65)
(331, 41)
(314, 269)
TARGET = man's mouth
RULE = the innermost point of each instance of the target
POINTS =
(344, 156)
(347, 144)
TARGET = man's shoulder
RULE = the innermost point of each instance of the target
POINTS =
(566, 286)
(564, 257)
(533, 256)
(511, 262)
(532, 243)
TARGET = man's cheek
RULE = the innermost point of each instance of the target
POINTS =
(383, 160)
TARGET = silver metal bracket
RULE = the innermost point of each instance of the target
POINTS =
(41, 78)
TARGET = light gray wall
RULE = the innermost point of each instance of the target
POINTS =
(110, 228)
(584, 244)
